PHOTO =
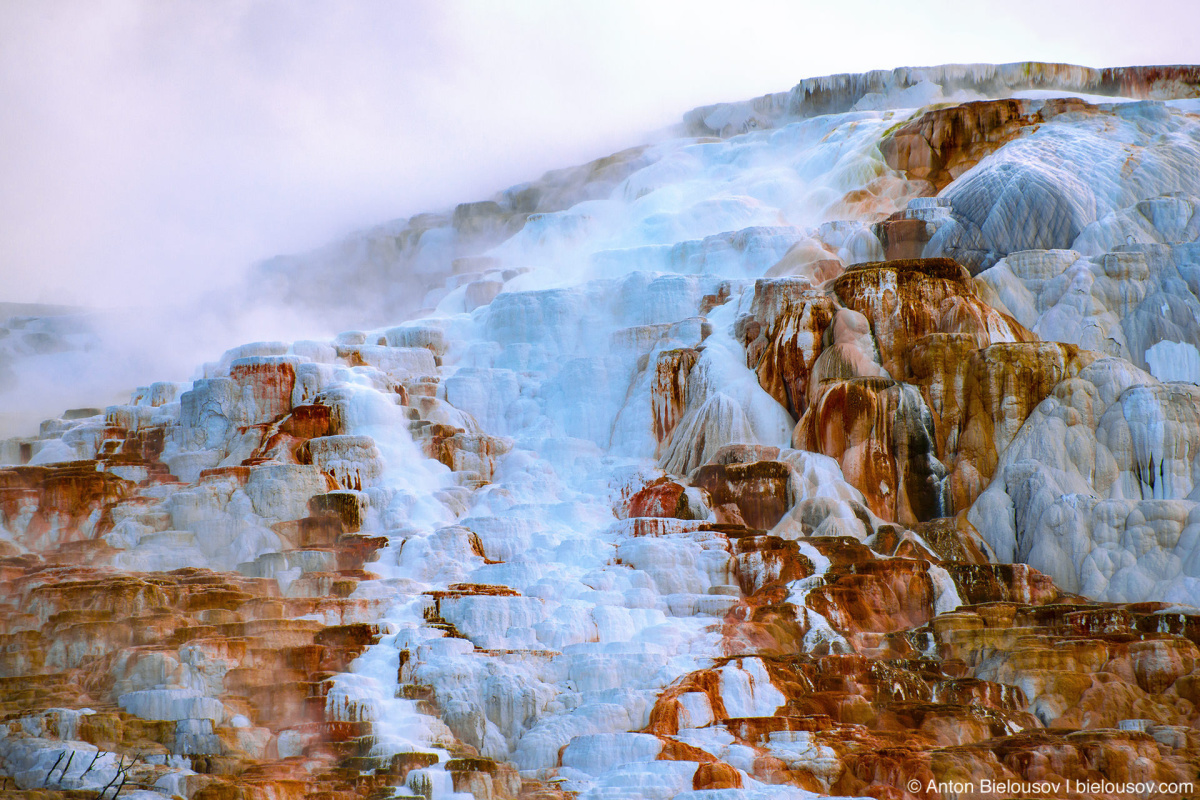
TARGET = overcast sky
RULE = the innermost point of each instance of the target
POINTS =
(150, 148)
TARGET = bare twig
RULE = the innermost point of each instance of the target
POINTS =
(51, 772)
(122, 773)
(95, 758)
(67, 767)
(116, 774)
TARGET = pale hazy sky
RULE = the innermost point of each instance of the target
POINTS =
(149, 148)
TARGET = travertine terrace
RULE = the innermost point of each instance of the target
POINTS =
(846, 443)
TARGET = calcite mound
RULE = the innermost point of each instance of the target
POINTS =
(944, 143)
(906, 375)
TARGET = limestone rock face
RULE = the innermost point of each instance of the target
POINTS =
(1060, 185)
(883, 436)
(850, 441)
(1140, 302)
(907, 300)
(758, 491)
(909, 87)
(942, 144)
(905, 374)
(1075, 493)
(980, 398)
(783, 338)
